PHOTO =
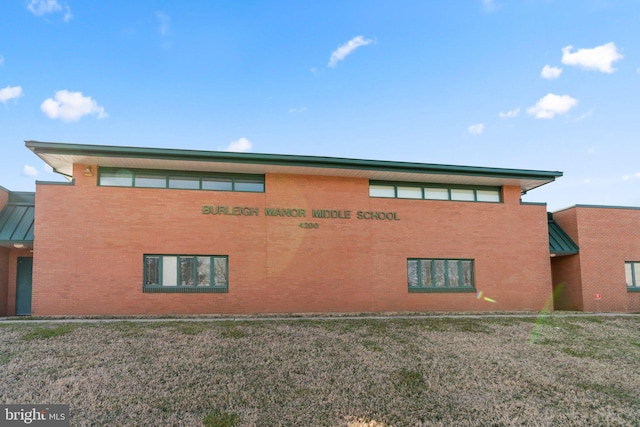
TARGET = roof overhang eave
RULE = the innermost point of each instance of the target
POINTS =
(11, 244)
(61, 158)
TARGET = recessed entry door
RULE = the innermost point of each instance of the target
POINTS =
(23, 286)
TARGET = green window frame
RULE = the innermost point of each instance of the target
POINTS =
(180, 180)
(632, 275)
(413, 190)
(185, 273)
(440, 275)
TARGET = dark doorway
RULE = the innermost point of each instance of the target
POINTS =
(23, 286)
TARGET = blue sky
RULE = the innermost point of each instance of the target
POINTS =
(528, 84)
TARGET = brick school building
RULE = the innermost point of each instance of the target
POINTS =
(163, 231)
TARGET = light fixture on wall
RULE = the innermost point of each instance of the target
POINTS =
(88, 171)
(18, 245)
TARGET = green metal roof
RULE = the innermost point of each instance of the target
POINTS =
(62, 156)
(559, 241)
(16, 219)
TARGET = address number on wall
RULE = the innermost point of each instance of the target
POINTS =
(308, 225)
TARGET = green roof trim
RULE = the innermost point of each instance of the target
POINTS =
(16, 219)
(559, 241)
(284, 160)
(633, 208)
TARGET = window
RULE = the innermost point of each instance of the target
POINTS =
(409, 192)
(141, 178)
(185, 273)
(244, 184)
(116, 178)
(184, 182)
(433, 192)
(382, 191)
(463, 194)
(440, 275)
(436, 193)
(488, 196)
(220, 184)
(632, 275)
(150, 181)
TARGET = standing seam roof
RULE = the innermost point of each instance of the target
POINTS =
(16, 219)
(559, 241)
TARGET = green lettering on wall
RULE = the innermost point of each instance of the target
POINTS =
(331, 213)
(380, 216)
(299, 213)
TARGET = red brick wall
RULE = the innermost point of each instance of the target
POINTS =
(566, 276)
(4, 279)
(607, 237)
(4, 262)
(567, 284)
(8, 276)
(4, 197)
(91, 241)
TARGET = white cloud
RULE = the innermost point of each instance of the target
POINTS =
(241, 145)
(44, 7)
(476, 129)
(585, 115)
(71, 106)
(67, 15)
(164, 22)
(10, 92)
(298, 110)
(346, 49)
(629, 176)
(509, 114)
(29, 170)
(490, 5)
(598, 58)
(164, 28)
(550, 73)
(550, 105)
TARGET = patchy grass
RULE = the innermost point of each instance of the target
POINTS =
(47, 332)
(190, 328)
(336, 372)
(217, 418)
(411, 380)
(233, 331)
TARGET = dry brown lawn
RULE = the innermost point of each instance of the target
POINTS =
(549, 371)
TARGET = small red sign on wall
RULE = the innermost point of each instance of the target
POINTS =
(597, 297)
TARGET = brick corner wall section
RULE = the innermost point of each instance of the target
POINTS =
(607, 237)
(4, 197)
(4, 280)
(566, 272)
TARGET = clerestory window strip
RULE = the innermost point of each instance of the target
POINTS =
(401, 190)
(142, 178)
